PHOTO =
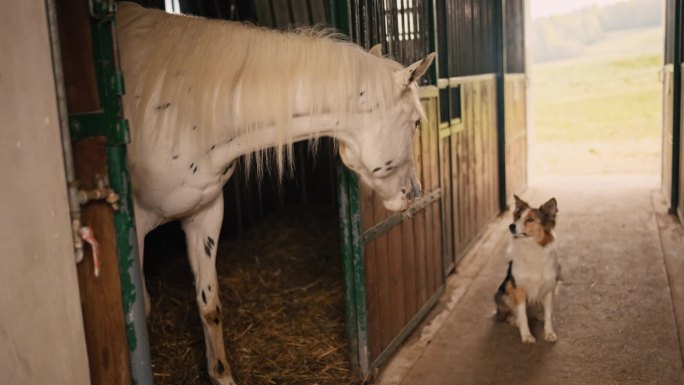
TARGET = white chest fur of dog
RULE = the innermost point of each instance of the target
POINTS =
(533, 268)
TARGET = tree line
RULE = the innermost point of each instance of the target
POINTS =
(567, 35)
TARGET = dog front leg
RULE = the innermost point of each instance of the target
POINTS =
(549, 334)
(520, 299)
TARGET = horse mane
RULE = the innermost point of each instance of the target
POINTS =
(195, 82)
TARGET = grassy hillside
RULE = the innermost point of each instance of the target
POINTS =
(601, 111)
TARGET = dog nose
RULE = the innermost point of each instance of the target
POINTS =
(512, 228)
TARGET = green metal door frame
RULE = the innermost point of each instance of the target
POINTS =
(500, 52)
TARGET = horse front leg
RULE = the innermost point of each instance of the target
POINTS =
(201, 233)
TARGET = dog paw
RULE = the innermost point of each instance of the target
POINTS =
(550, 336)
(528, 338)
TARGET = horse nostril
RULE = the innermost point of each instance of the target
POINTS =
(512, 228)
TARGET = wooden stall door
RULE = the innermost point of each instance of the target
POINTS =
(393, 261)
(403, 256)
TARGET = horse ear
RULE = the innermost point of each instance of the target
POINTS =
(376, 50)
(413, 72)
(342, 151)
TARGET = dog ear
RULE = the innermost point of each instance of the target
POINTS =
(550, 209)
(519, 203)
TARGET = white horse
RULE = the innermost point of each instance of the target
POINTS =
(201, 93)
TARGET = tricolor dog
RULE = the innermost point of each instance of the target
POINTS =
(533, 269)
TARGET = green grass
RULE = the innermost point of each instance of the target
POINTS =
(600, 113)
(612, 93)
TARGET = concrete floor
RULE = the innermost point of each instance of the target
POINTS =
(616, 315)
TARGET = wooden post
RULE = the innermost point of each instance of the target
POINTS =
(101, 296)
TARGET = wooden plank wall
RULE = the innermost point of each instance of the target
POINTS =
(474, 162)
(516, 134)
(404, 266)
(666, 184)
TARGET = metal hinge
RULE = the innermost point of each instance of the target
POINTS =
(102, 8)
(118, 83)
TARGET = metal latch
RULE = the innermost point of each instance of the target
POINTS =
(102, 191)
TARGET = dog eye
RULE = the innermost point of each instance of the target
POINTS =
(529, 220)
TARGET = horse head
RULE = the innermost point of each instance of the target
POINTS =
(381, 152)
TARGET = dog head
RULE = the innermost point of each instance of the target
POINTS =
(534, 223)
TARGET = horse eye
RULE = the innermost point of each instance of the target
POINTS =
(417, 123)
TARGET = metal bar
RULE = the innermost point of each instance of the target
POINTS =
(395, 219)
(130, 269)
(347, 264)
(74, 205)
(676, 107)
(499, 25)
(359, 271)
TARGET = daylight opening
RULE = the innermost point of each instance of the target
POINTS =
(596, 86)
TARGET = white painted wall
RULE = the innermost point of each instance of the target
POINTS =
(41, 327)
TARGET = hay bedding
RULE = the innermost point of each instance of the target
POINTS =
(283, 306)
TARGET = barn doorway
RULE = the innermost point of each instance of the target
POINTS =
(596, 84)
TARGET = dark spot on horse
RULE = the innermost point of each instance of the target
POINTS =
(164, 106)
(212, 148)
(388, 163)
(209, 287)
(216, 320)
(218, 309)
(219, 367)
(230, 140)
(194, 170)
(377, 169)
(225, 170)
(192, 165)
(174, 157)
(211, 240)
(194, 127)
(361, 93)
(204, 297)
(207, 250)
(389, 168)
(403, 191)
(337, 123)
(189, 89)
